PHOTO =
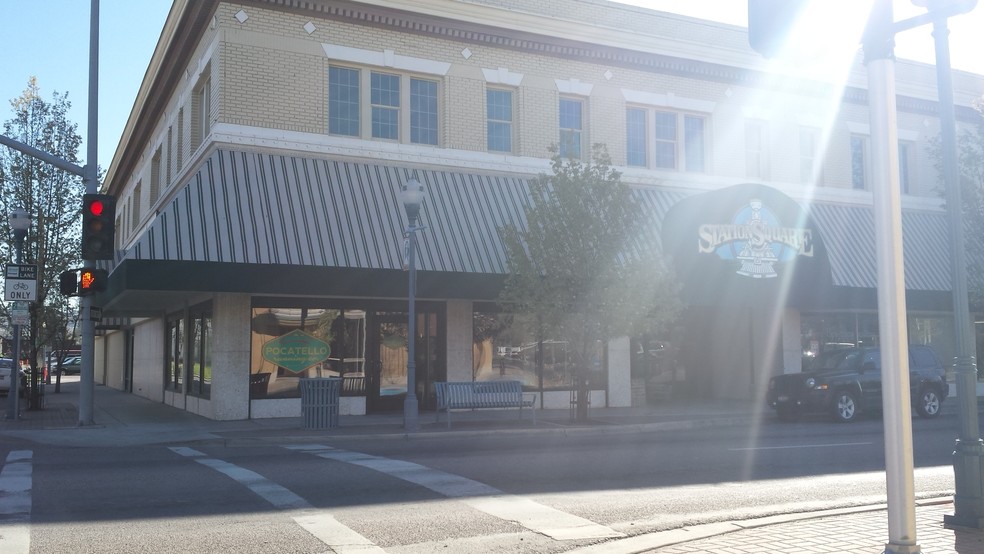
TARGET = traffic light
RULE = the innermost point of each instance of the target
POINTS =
(68, 282)
(98, 226)
(92, 280)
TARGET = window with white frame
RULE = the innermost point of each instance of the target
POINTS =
(756, 150)
(179, 147)
(676, 140)
(859, 162)
(636, 153)
(155, 175)
(382, 105)
(201, 109)
(499, 119)
(809, 151)
(136, 205)
(907, 154)
(169, 153)
(571, 127)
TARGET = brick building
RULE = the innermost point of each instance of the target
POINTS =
(257, 183)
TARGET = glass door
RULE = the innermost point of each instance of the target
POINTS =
(387, 376)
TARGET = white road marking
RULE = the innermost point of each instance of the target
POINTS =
(320, 523)
(795, 446)
(532, 515)
(15, 503)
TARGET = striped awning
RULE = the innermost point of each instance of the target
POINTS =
(256, 208)
(849, 232)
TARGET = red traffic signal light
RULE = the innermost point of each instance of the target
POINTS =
(92, 280)
(98, 226)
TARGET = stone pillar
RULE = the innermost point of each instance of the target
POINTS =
(619, 373)
(230, 356)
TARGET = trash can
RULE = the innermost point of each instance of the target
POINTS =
(319, 402)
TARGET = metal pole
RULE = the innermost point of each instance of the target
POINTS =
(880, 59)
(410, 421)
(91, 180)
(968, 455)
(13, 407)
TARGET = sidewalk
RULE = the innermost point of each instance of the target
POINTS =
(126, 420)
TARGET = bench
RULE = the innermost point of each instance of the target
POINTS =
(477, 395)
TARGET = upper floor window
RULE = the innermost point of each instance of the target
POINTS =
(859, 162)
(385, 99)
(399, 107)
(201, 109)
(155, 176)
(499, 115)
(809, 141)
(906, 163)
(635, 137)
(756, 151)
(343, 101)
(571, 127)
(676, 140)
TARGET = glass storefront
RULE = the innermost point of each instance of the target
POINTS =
(365, 346)
(504, 346)
(830, 331)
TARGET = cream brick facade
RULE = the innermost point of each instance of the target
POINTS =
(265, 66)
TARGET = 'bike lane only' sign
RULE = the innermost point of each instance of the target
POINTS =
(21, 283)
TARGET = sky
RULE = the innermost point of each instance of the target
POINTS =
(49, 39)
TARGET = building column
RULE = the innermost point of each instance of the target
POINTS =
(230, 356)
(619, 372)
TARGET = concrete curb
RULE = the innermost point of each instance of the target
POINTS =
(652, 541)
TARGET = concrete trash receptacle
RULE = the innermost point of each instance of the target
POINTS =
(319, 402)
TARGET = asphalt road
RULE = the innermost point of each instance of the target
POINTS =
(526, 493)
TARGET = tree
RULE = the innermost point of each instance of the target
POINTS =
(585, 268)
(970, 175)
(51, 196)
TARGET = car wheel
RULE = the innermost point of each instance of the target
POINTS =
(846, 408)
(928, 404)
(787, 413)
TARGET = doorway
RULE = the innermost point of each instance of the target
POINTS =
(387, 376)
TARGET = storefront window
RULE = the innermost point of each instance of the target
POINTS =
(174, 354)
(200, 347)
(505, 347)
(824, 332)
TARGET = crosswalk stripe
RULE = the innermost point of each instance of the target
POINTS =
(15, 502)
(531, 515)
(319, 523)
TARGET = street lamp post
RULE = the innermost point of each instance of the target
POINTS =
(412, 196)
(20, 222)
(968, 455)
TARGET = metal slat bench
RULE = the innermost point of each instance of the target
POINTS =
(477, 395)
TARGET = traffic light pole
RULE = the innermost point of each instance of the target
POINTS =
(90, 178)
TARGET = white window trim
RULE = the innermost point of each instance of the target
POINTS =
(573, 87)
(385, 58)
(502, 76)
(668, 100)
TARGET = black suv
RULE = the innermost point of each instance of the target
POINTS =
(843, 382)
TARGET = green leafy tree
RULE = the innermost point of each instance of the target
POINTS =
(585, 269)
(52, 198)
(970, 173)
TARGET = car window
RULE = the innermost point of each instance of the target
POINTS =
(872, 356)
(838, 359)
(923, 357)
(6, 362)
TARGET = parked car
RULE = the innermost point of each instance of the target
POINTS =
(846, 382)
(71, 365)
(6, 366)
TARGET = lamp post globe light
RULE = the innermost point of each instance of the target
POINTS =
(412, 195)
(20, 222)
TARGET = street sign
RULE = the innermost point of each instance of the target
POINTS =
(21, 283)
(20, 314)
(95, 314)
